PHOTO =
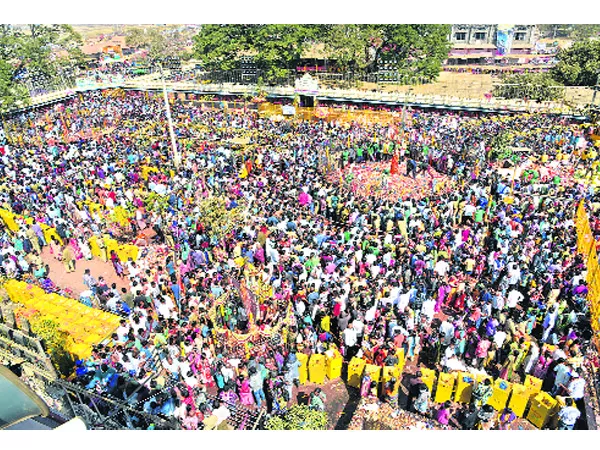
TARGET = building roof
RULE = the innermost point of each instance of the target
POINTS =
(93, 46)
(457, 45)
(471, 56)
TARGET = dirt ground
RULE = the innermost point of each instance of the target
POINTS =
(74, 280)
(467, 85)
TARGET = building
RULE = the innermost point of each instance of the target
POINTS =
(491, 44)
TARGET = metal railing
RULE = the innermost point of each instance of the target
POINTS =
(334, 95)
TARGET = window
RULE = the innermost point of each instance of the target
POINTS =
(479, 36)
(519, 36)
(460, 36)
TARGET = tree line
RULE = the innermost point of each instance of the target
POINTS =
(276, 49)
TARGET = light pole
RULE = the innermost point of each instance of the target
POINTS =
(176, 155)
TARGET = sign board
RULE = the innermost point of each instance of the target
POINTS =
(504, 39)
(307, 85)
(289, 111)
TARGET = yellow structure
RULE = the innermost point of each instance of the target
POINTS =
(519, 398)
(124, 251)
(401, 359)
(9, 220)
(334, 365)
(355, 371)
(390, 373)
(428, 377)
(303, 369)
(586, 245)
(85, 326)
(316, 369)
(464, 387)
(499, 398)
(445, 387)
(533, 385)
(373, 371)
(542, 407)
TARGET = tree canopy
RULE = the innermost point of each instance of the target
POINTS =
(572, 31)
(160, 44)
(578, 65)
(34, 51)
(415, 49)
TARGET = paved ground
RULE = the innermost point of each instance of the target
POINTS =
(74, 280)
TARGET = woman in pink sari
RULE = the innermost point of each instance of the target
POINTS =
(245, 392)
(76, 249)
(206, 377)
(304, 199)
(139, 217)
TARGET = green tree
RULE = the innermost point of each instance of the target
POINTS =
(275, 47)
(583, 32)
(278, 47)
(34, 50)
(299, 417)
(348, 45)
(159, 43)
(574, 31)
(219, 47)
(539, 87)
(578, 65)
(418, 49)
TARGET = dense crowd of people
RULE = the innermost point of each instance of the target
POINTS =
(485, 277)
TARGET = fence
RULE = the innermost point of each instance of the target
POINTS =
(67, 400)
(333, 95)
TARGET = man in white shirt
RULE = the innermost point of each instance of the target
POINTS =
(514, 298)
(350, 340)
(392, 296)
(172, 366)
(469, 210)
(499, 338)
(441, 268)
(122, 331)
(576, 386)
(428, 310)
(403, 301)
(568, 416)
(447, 329)
(358, 326)
(300, 308)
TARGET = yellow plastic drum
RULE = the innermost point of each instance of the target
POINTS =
(303, 369)
(500, 394)
(464, 387)
(334, 365)
(519, 399)
(316, 369)
(428, 377)
(542, 407)
(445, 387)
(355, 371)
(374, 372)
(533, 385)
